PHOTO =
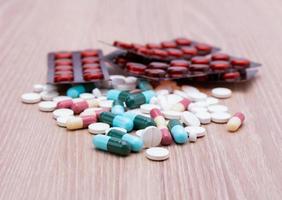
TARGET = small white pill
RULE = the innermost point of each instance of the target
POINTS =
(117, 79)
(31, 98)
(221, 93)
(98, 128)
(220, 117)
(189, 89)
(115, 128)
(204, 117)
(212, 101)
(47, 106)
(151, 136)
(198, 130)
(197, 96)
(38, 88)
(180, 93)
(139, 132)
(154, 100)
(146, 108)
(106, 104)
(217, 108)
(162, 101)
(61, 121)
(170, 114)
(62, 112)
(49, 95)
(130, 80)
(173, 99)
(86, 96)
(102, 98)
(190, 119)
(157, 153)
(61, 98)
(192, 136)
(195, 109)
(96, 92)
(162, 92)
(90, 111)
(49, 88)
(201, 104)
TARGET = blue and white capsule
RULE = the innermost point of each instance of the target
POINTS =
(177, 131)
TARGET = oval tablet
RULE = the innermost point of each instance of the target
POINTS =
(221, 92)
(204, 117)
(47, 106)
(98, 128)
(31, 98)
(62, 112)
(146, 108)
(198, 130)
(157, 153)
(190, 119)
(217, 108)
(220, 117)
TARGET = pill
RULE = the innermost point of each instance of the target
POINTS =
(173, 98)
(62, 112)
(220, 117)
(144, 85)
(161, 124)
(139, 121)
(139, 132)
(170, 114)
(61, 98)
(146, 108)
(61, 121)
(106, 104)
(98, 128)
(180, 63)
(217, 108)
(31, 98)
(204, 117)
(49, 87)
(181, 94)
(189, 51)
(112, 145)
(115, 128)
(47, 106)
(67, 103)
(211, 101)
(86, 96)
(80, 122)
(177, 131)
(198, 130)
(189, 89)
(240, 63)
(38, 88)
(131, 80)
(197, 96)
(192, 136)
(162, 101)
(96, 92)
(201, 104)
(221, 92)
(203, 48)
(181, 105)
(151, 136)
(162, 92)
(220, 56)
(183, 41)
(157, 153)
(235, 122)
(76, 90)
(80, 106)
(116, 120)
(117, 107)
(49, 95)
(135, 100)
(135, 143)
(190, 119)
(195, 109)
(117, 95)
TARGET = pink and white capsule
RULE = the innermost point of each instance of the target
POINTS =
(181, 105)
(235, 122)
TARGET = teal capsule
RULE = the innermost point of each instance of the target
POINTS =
(111, 144)
(144, 85)
(135, 143)
(135, 100)
(116, 120)
(177, 131)
(117, 95)
(118, 107)
(76, 90)
(139, 121)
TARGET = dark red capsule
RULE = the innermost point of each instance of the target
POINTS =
(63, 54)
(203, 48)
(88, 60)
(158, 65)
(159, 52)
(199, 67)
(63, 68)
(180, 63)
(138, 46)
(63, 61)
(240, 62)
(174, 52)
(136, 67)
(63, 73)
(220, 56)
(153, 46)
(123, 45)
(91, 66)
(145, 51)
(231, 76)
(219, 65)
(90, 52)
(95, 76)
(200, 60)
(177, 70)
(92, 71)
(62, 78)
(189, 51)
(155, 72)
(183, 41)
(169, 44)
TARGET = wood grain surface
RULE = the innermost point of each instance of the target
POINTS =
(39, 160)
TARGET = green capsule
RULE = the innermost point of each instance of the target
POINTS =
(139, 121)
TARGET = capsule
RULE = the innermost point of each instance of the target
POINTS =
(235, 122)
(178, 132)
(135, 100)
(80, 122)
(144, 85)
(76, 90)
(111, 144)
(117, 95)
(181, 105)
(135, 143)
(161, 124)
(65, 103)
(116, 120)
(118, 107)
(139, 121)
(80, 106)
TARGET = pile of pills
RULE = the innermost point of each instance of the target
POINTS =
(133, 115)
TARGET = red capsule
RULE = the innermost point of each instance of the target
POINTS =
(203, 48)
(63, 68)
(169, 44)
(80, 106)
(80, 122)
(177, 70)
(90, 52)
(240, 62)
(174, 52)
(200, 60)
(138, 46)
(189, 51)
(158, 65)
(91, 66)
(63, 54)
(136, 67)
(89, 60)
(153, 46)
(123, 45)
(180, 63)
(166, 136)
(65, 103)
(145, 51)
(183, 41)
(199, 67)
(63, 61)
(92, 71)
(155, 72)
(231, 76)
(63, 78)
(220, 56)
(219, 65)
(155, 112)
(89, 77)
(159, 52)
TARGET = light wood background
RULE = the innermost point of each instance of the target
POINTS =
(39, 160)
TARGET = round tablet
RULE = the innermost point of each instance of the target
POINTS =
(170, 114)
(220, 117)
(49, 95)
(190, 119)
(157, 153)
(221, 92)
(146, 108)
(194, 109)
(47, 106)
(197, 96)
(115, 128)
(86, 96)
(198, 130)
(62, 112)
(211, 101)
(180, 93)
(31, 98)
(49, 87)
(217, 108)
(61, 121)
(106, 104)
(151, 136)
(117, 79)
(61, 98)
(204, 117)
(98, 128)
(38, 88)
(201, 104)
(139, 132)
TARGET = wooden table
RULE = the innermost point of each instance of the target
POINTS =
(39, 160)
